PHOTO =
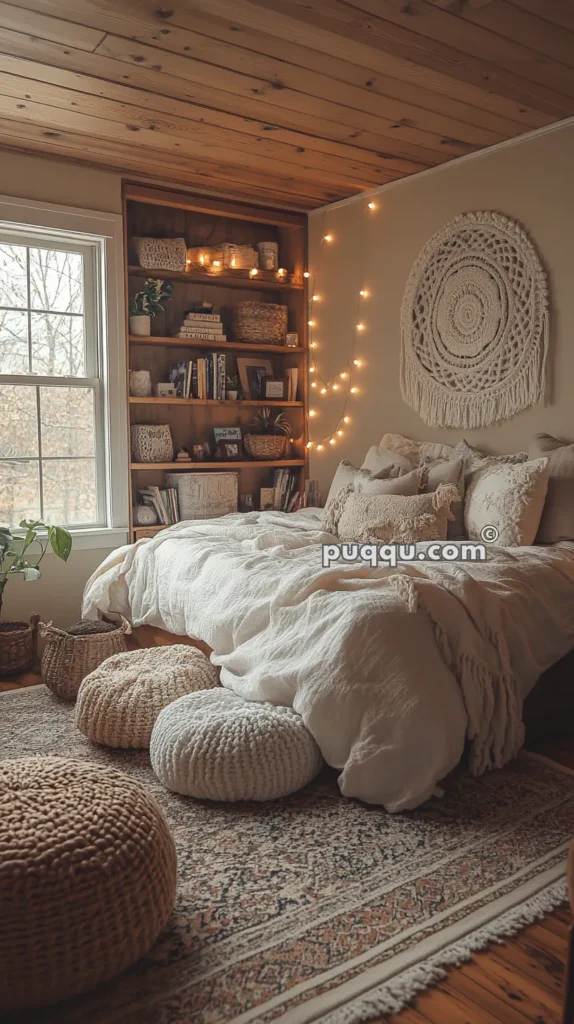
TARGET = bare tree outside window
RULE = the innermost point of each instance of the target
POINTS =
(48, 464)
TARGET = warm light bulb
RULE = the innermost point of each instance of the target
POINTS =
(217, 263)
(281, 272)
(310, 323)
(319, 447)
(188, 263)
(312, 412)
(346, 419)
(311, 369)
(331, 440)
(340, 433)
(309, 444)
(313, 384)
(315, 298)
(313, 344)
(343, 375)
(233, 261)
(254, 272)
(354, 391)
(360, 327)
(306, 273)
(357, 362)
(323, 391)
(372, 206)
(201, 260)
(327, 238)
(335, 387)
(363, 293)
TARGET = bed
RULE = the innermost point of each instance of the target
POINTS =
(399, 673)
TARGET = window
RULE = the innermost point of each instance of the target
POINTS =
(51, 389)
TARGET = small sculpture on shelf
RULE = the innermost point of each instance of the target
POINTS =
(182, 454)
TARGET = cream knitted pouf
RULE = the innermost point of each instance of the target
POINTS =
(216, 746)
(87, 877)
(119, 701)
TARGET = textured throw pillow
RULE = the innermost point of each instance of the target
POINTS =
(379, 458)
(415, 451)
(344, 475)
(508, 497)
(474, 458)
(557, 522)
(447, 471)
(363, 482)
(394, 519)
(347, 473)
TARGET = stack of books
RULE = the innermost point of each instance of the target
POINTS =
(164, 502)
(202, 327)
(287, 499)
(200, 378)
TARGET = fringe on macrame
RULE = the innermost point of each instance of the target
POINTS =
(441, 408)
(394, 994)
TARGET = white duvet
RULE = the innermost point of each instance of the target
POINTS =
(393, 670)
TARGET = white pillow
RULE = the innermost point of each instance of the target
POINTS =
(344, 475)
(379, 458)
(508, 497)
(415, 451)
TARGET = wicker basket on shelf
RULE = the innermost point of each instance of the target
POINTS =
(18, 646)
(263, 323)
(71, 654)
(161, 253)
(265, 446)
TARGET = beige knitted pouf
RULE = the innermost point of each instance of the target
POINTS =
(87, 877)
(216, 746)
(119, 701)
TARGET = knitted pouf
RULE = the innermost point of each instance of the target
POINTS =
(87, 877)
(120, 700)
(215, 745)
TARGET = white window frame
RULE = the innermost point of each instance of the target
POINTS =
(99, 236)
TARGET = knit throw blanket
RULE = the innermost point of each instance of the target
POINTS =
(474, 324)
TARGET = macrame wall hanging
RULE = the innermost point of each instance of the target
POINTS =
(474, 324)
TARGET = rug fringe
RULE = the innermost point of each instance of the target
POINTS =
(395, 994)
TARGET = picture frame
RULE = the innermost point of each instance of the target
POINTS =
(251, 371)
(229, 451)
(227, 434)
(275, 388)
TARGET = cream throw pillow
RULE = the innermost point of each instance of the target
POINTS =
(415, 451)
(507, 497)
(394, 519)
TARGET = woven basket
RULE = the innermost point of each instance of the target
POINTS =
(161, 253)
(265, 446)
(262, 323)
(18, 646)
(70, 655)
(239, 257)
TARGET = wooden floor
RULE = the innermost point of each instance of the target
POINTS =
(517, 982)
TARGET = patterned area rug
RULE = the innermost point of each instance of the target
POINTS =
(318, 908)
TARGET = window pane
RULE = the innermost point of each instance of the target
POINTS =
(67, 421)
(13, 342)
(13, 284)
(69, 491)
(18, 422)
(56, 280)
(19, 492)
(58, 345)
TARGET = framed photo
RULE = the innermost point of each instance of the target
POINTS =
(275, 387)
(252, 373)
(227, 434)
(229, 450)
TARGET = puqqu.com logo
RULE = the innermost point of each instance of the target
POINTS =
(489, 534)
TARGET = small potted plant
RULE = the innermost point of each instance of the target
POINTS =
(17, 638)
(268, 436)
(147, 303)
(232, 387)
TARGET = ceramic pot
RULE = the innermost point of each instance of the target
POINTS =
(140, 383)
(231, 396)
(140, 323)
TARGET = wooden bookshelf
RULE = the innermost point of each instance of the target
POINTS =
(202, 221)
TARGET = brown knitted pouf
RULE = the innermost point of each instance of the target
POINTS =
(118, 703)
(87, 877)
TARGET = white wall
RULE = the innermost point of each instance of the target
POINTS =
(530, 182)
(57, 595)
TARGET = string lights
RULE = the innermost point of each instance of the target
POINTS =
(343, 382)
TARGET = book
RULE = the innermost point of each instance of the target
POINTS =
(206, 317)
(203, 327)
(292, 378)
(202, 336)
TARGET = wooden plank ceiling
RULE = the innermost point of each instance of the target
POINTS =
(290, 102)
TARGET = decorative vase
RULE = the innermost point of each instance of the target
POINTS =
(151, 443)
(268, 255)
(145, 515)
(140, 383)
(231, 396)
(140, 323)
